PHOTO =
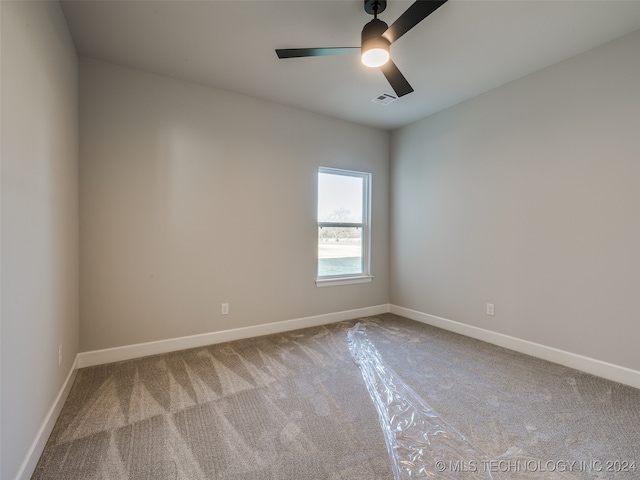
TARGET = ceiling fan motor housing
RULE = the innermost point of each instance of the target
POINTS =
(372, 36)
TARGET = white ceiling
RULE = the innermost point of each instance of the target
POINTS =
(465, 48)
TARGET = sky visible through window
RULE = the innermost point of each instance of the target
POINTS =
(339, 195)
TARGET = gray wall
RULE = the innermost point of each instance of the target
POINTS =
(528, 197)
(39, 199)
(191, 196)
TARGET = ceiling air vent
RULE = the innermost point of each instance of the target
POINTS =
(384, 98)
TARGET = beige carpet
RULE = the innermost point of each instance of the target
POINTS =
(295, 406)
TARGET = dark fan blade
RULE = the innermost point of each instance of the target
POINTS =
(396, 79)
(315, 52)
(411, 17)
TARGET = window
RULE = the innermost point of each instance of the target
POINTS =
(343, 227)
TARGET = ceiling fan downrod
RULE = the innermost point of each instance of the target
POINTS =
(374, 7)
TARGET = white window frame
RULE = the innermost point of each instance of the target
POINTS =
(365, 276)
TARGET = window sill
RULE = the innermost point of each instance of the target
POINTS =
(335, 282)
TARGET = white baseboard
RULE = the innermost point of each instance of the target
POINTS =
(585, 364)
(37, 447)
(128, 352)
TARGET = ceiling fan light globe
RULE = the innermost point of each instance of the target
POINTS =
(375, 57)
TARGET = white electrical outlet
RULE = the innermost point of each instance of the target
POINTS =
(60, 355)
(490, 309)
(224, 309)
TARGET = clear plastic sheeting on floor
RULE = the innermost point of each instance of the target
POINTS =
(420, 443)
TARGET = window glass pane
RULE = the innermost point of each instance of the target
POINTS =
(339, 198)
(339, 251)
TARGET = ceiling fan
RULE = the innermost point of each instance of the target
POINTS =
(376, 37)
